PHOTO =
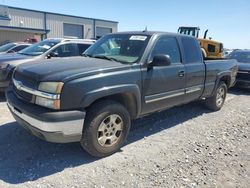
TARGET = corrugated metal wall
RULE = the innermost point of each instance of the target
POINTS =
(20, 18)
(14, 36)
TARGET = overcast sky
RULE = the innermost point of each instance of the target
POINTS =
(227, 20)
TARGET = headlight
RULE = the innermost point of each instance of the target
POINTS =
(51, 87)
(48, 103)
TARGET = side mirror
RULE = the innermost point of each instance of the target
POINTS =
(160, 60)
(52, 54)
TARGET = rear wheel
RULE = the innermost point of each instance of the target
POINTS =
(106, 128)
(216, 102)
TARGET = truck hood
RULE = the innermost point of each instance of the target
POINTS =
(14, 59)
(244, 66)
(65, 69)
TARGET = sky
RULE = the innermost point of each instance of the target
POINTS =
(227, 20)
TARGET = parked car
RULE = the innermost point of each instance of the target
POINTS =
(47, 49)
(243, 76)
(31, 40)
(123, 76)
(13, 47)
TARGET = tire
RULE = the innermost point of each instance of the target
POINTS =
(216, 102)
(106, 128)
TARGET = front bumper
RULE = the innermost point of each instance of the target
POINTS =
(49, 125)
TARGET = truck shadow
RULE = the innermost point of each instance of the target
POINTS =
(2, 97)
(239, 91)
(26, 158)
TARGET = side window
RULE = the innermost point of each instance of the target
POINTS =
(191, 48)
(167, 46)
(211, 48)
(18, 48)
(82, 48)
(66, 50)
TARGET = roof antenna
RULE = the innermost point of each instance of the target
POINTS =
(146, 29)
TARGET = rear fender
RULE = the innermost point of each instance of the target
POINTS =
(220, 77)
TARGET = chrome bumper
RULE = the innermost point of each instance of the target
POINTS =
(52, 131)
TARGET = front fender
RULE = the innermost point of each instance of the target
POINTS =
(103, 92)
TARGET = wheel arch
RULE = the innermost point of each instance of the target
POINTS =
(128, 96)
(223, 77)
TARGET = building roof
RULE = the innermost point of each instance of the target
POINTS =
(59, 14)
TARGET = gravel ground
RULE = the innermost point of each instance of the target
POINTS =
(186, 146)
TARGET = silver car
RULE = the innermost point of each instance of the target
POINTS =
(47, 49)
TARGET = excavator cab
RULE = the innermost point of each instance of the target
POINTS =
(210, 49)
(193, 31)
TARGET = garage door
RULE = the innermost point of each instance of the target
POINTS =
(100, 31)
(73, 30)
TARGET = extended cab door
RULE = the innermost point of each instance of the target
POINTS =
(163, 86)
(194, 68)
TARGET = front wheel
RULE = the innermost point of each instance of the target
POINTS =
(106, 128)
(216, 102)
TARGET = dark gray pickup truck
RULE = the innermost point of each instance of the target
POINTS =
(123, 76)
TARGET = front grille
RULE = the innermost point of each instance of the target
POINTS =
(23, 95)
(26, 81)
(243, 76)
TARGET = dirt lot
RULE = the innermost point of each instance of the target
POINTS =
(186, 146)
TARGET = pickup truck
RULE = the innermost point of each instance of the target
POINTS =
(123, 76)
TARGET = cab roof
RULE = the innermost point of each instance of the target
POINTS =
(151, 33)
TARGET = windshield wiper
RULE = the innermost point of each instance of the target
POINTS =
(87, 55)
(22, 53)
(105, 57)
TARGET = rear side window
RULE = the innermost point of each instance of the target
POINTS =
(18, 48)
(192, 51)
(167, 46)
(82, 48)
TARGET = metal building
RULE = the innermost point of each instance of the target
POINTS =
(18, 24)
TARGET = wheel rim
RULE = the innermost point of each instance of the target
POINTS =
(220, 96)
(109, 131)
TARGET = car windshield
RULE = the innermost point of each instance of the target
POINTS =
(39, 48)
(6, 47)
(124, 48)
(242, 57)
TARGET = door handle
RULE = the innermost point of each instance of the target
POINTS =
(181, 73)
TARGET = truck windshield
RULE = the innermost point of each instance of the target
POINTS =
(39, 48)
(124, 48)
(6, 47)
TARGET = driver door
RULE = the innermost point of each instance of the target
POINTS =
(164, 86)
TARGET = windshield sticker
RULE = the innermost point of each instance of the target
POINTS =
(138, 37)
(46, 46)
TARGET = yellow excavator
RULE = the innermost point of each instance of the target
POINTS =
(210, 49)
